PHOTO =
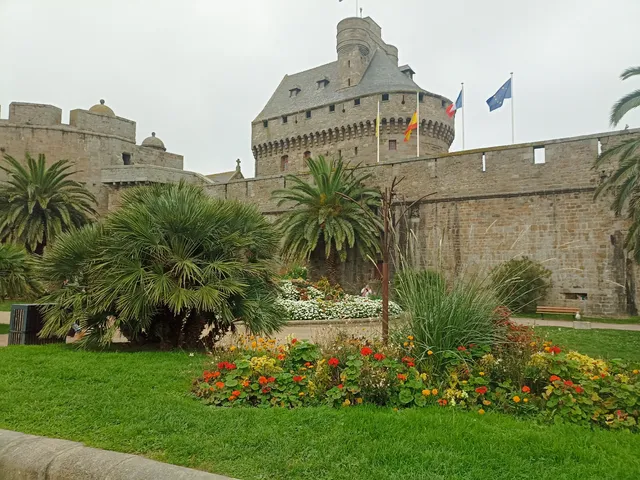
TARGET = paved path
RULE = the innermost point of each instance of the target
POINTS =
(324, 330)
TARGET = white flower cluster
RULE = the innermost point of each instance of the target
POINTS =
(289, 292)
(349, 307)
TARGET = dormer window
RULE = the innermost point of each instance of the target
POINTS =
(294, 92)
(322, 83)
(408, 71)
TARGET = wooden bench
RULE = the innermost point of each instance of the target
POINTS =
(557, 310)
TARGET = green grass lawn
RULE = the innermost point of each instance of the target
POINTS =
(607, 344)
(4, 328)
(570, 318)
(138, 402)
(5, 305)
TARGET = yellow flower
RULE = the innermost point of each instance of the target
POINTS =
(532, 344)
(359, 401)
(429, 352)
(526, 400)
(636, 372)
(411, 344)
(406, 344)
(595, 377)
(254, 344)
(232, 348)
(464, 382)
(301, 394)
(547, 349)
(423, 376)
(434, 391)
(410, 337)
(516, 399)
(426, 392)
(481, 374)
(346, 403)
(481, 411)
(486, 403)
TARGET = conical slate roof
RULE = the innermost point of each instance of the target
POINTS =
(381, 76)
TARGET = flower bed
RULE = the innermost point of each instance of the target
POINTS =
(525, 379)
(304, 301)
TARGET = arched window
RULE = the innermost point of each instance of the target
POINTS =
(284, 163)
(306, 155)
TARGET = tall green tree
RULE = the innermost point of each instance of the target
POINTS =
(168, 265)
(624, 181)
(38, 203)
(332, 212)
(17, 279)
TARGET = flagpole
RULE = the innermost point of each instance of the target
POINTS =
(513, 125)
(378, 130)
(418, 124)
(463, 109)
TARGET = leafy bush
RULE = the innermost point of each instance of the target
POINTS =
(296, 272)
(443, 319)
(552, 385)
(521, 283)
(168, 264)
(17, 279)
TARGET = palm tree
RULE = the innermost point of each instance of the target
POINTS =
(191, 262)
(16, 275)
(624, 182)
(38, 203)
(329, 214)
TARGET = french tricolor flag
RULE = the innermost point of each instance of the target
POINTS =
(451, 109)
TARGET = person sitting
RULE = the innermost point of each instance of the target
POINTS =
(366, 291)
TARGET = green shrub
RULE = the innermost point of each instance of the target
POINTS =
(521, 283)
(17, 279)
(427, 278)
(443, 319)
(170, 262)
(296, 272)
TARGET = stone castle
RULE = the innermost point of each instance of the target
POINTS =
(485, 206)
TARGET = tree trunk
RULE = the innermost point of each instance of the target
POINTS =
(333, 264)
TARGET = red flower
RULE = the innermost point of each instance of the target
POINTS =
(526, 389)
(555, 350)
(472, 345)
(461, 348)
(231, 366)
(308, 364)
(579, 389)
(220, 385)
(226, 365)
(333, 362)
(340, 387)
(379, 357)
(232, 398)
(263, 380)
(366, 351)
(481, 390)
(221, 365)
(554, 378)
(271, 379)
(266, 390)
(281, 356)
(442, 402)
(294, 341)
(409, 361)
(236, 393)
(402, 376)
(568, 383)
(297, 378)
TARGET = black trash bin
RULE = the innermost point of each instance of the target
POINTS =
(25, 324)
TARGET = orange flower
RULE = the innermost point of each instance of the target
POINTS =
(442, 402)
(481, 411)
(516, 399)
(526, 389)
(271, 379)
(281, 356)
(486, 402)
(236, 393)
(402, 377)
(554, 378)
(232, 398)
(246, 383)
(434, 391)
(263, 380)
(426, 392)
(220, 385)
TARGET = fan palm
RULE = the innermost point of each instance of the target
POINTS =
(16, 277)
(170, 263)
(38, 203)
(333, 213)
(624, 182)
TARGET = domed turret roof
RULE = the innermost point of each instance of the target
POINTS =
(102, 109)
(154, 142)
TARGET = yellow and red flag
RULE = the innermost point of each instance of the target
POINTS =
(413, 125)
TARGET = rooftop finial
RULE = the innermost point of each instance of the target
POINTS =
(237, 165)
(153, 134)
(101, 101)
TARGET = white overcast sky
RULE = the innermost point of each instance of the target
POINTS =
(197, 72)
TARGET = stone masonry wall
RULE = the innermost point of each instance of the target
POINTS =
(350, 126)
(476, 217)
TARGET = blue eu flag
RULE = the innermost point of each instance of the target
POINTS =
(498, 99)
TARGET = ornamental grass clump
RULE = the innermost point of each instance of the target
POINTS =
(445, 318)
